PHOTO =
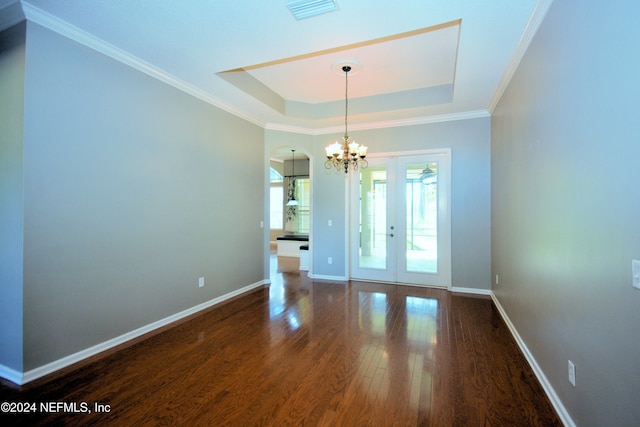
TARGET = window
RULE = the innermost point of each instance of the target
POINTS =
(274, 176)
(276, 200)
(297, 217)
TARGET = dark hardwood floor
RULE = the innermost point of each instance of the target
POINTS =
(309, 353)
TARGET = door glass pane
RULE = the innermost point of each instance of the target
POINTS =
(373, 218)
(422, 217)
(303, 211)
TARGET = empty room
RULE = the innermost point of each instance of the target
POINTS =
(319, 212)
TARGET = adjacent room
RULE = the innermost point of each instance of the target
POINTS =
(327, 212)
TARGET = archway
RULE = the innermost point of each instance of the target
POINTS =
(290, 224)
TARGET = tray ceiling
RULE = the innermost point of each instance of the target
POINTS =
(422, 61)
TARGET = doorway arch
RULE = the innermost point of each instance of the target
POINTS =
(280, 153)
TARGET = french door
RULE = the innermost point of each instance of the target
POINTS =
(401, 221)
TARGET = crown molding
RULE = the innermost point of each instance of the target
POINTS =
(10, 15)
(65, 29)
(290, 129)
(466, 115)
(383, 124)
(538, 15)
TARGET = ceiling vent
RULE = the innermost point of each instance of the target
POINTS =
(302, 9)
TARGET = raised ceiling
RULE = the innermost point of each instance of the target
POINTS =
(421, 60)
(426, 79)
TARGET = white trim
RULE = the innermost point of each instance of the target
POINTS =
(546, 385)
(465, 115)
(381, 125)
(326, 277)
(472, 291)
(59, 26)
(428, 151)
(395, 159)
(540, 11)
(10, 15)
(11, 375)
(290, 129)
(38, 16)
(20, 379)
(347, 226)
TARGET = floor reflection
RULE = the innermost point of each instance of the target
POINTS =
(401, 332)
(289, 298)
(392, 330)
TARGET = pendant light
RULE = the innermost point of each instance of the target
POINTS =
(347, 155)
(428, 176)
(291, 193)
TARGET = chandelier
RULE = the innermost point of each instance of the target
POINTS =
(345, 155)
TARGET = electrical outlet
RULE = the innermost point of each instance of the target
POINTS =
(635, 271)
(201, 282)
(330, 260)
(497, 279)
(572, 373)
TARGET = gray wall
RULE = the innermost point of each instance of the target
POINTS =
(132, 191)
(12, 63)
(328, 204)
(565, 205)
(469, 141)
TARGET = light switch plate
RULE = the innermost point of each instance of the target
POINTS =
(635, 271)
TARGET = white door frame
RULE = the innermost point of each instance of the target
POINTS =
(444, 213)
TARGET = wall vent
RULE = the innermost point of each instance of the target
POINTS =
(302, 9)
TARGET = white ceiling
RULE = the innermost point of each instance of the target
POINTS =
(422, 60)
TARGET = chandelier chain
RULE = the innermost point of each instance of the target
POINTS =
(346, 98)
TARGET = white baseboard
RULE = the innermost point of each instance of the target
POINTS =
(10, 374)
(546, 385)
(473, 291)
(330, 278)
(33, 374)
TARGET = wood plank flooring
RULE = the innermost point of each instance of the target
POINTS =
(313, 354)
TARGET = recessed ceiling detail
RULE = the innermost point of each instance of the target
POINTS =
(463, 78)
(383, 80)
